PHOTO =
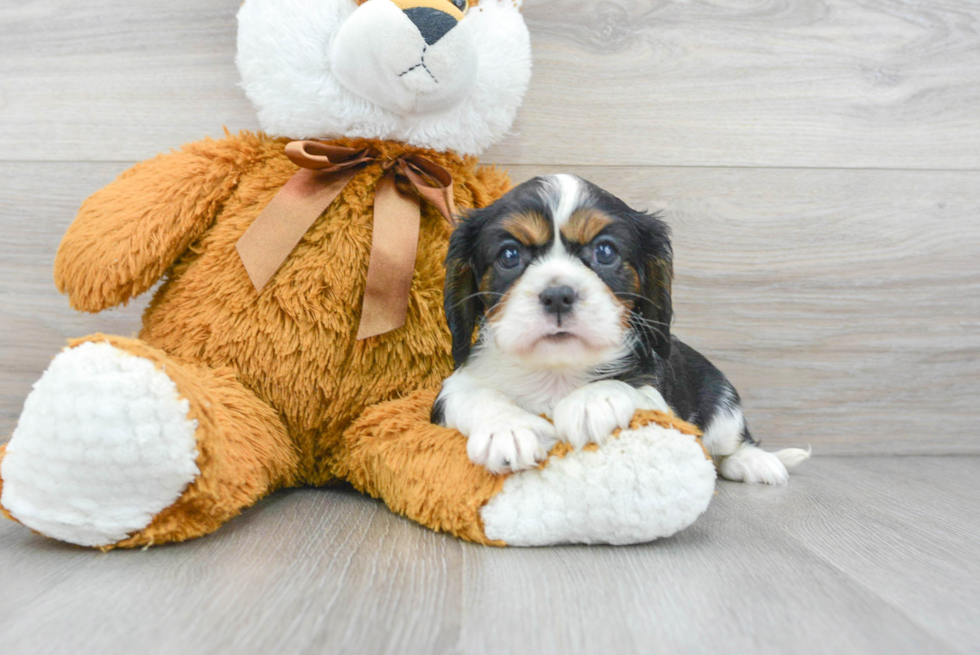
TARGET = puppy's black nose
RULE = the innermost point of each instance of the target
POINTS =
(558, 300)
(432, 23)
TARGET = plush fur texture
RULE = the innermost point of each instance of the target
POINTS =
(242, 449)
(129, 454)
(280, 372)
(330, 68)
(649, 481)
(293, 343)
(420, 470)
(234, 392)
(3, 510)
(273, 378)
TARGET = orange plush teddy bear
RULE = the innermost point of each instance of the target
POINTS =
(302, 286)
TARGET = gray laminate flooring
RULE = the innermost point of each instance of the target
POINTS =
(819, 164)
(856, 555)
(817, 160)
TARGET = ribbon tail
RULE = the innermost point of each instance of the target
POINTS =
(438, 191)
(279, 228)
(394, 244)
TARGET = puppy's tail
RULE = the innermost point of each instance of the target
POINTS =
(791, 457)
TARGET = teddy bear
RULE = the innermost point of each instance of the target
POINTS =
(297, 335)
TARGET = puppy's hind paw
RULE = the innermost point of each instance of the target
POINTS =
(791, 457)
(752, 464)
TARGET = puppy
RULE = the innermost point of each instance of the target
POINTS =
(571, 291)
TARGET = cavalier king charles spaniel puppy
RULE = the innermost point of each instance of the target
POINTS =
(571, 291)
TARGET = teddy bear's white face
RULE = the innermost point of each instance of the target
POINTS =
(442, 74)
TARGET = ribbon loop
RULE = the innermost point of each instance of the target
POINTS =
(325, 169)
(319, 156)
(433, 182)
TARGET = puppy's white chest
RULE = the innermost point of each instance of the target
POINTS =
(540, 396)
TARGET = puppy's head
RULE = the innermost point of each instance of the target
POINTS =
(561, 274)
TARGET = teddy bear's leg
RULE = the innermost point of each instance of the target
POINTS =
(418, 469)
(650, 481)
(121, 445)
(3, 512)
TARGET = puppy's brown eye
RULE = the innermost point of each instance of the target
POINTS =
(509, 257)
(605, 254)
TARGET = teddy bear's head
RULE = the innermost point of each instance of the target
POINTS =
(442, 74)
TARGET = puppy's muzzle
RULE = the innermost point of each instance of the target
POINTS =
(559, 301)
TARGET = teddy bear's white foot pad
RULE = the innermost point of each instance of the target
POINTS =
(103, 445)
(646, 484)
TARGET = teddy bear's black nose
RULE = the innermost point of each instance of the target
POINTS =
(432, 23)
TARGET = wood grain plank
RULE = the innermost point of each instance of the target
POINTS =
(737, 581)
(37, 203)
(306, 571)
(856, 555)
(116, 80)
(842, 304)
(879, 522)
(831, 83)
(949, 476)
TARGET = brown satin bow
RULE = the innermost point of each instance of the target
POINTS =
(324, 172)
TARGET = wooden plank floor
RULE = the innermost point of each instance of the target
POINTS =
(856, 555)
(857, 334)
(799, 83)
(819, 163)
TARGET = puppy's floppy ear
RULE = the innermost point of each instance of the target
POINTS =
(462, 300)
(656, 277)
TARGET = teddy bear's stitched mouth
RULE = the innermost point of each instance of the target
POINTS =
(422, 65)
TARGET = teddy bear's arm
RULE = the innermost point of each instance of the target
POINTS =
(129, 233)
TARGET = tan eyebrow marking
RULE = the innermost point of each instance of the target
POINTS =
(585, 225)
(530, 228)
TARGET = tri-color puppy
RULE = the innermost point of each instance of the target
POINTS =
(571, 291)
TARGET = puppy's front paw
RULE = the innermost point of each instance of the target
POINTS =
(592, 413)
(514, 441)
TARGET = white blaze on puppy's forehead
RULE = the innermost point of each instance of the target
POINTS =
(563, 193)
(566, 196)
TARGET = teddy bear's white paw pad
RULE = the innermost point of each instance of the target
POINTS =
(102, 446)
(645, 484)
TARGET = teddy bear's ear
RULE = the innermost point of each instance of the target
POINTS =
(462, 298)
